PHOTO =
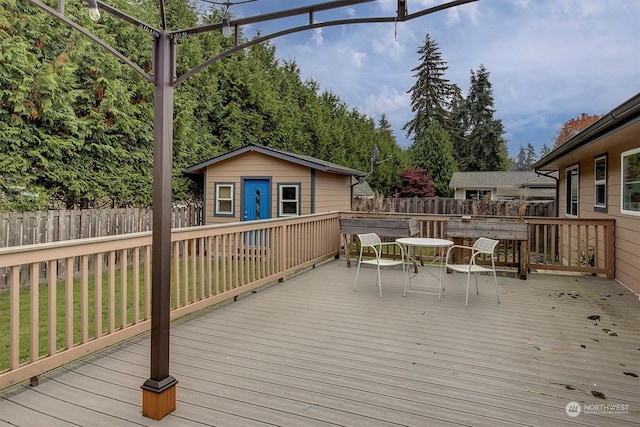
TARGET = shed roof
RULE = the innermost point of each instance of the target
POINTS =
(300, 159)
(497, 179)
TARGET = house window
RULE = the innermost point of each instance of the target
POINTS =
(600, 182)
(224, 199)
(572, 191)
(631, 182)
(477, 194)
(289, 199)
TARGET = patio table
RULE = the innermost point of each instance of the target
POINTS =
(415, 245)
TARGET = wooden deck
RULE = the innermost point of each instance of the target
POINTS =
(311, 352)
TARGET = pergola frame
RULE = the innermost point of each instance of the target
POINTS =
(159, 395)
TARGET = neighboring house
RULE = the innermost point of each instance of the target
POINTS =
(257, 182)
(599, 173)
(361, 190)
(511, 185)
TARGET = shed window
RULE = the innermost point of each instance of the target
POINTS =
(600, 182)
(289, 199)
(572, 191)
(224, 199)
(631, 182)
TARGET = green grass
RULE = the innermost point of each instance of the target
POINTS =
(43, 303)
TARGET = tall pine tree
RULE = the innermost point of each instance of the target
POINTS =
(431, 94)
(485, 148)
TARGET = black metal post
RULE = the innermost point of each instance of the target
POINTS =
(163, 66)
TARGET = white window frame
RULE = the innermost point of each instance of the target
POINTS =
(218, 211)
(623, 188)
(569, 196)
(486, 194)
(282, 200)
(597, 183)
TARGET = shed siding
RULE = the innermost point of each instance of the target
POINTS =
(332, 191)
(627, 233)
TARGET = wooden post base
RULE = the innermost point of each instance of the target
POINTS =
(157, 405)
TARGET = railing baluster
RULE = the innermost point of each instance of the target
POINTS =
(84, 299)
(68, 300)
(52, 308)
(34, 291)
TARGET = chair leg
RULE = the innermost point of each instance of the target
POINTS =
(444, 280)
(379, 282)
(495, 280)
(476, 277)
(466, 299)
(355, 284)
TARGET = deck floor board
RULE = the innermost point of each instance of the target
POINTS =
(311, 352)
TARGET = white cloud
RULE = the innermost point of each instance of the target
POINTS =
(548, 60)
(317, 37)
(386, 101)
(357, 58)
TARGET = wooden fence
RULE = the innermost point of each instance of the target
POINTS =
(437, 206)
(17, 229)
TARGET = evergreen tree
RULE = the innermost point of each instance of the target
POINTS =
(433, 153)
(521, 160)
(78, 124)
(531, 156)
(486, 146)
(544, 150)
(431, 94)
(384, 125)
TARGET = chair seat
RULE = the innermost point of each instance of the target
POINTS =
(383, 262)
(463, 268)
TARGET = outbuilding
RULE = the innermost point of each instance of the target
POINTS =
(257, 182)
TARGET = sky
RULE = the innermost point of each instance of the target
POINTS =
(549, 60)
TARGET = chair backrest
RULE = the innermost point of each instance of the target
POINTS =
(485, 245)
(369, 239)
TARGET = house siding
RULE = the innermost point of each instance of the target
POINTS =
(627, 229)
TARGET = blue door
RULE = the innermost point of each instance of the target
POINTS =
(257, 199)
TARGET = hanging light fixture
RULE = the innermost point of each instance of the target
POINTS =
(227, 29)
(94, 12)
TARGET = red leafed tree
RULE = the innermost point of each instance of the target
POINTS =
(416, 183)
(574, 127)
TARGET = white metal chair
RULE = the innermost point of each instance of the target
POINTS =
(372, 241)
(482, 246)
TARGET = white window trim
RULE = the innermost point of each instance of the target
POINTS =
(622, 156)
(281, 188)
(217, 211)
(568, 203)
(600, 182)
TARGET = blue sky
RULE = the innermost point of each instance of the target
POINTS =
(549, 60)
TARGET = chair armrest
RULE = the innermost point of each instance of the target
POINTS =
(381, 244)
(463, 247)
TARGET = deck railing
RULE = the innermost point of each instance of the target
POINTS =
(554, 244)
(97, 292)
(103, 294)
